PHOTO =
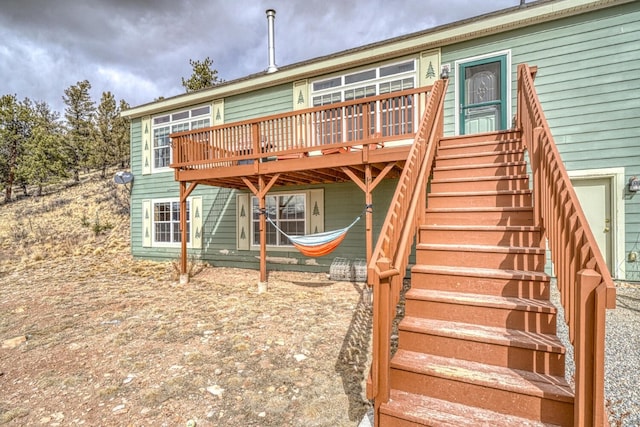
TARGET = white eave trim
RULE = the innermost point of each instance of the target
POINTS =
(447, 34)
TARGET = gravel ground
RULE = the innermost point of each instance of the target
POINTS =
(622, 355)
(622, 363)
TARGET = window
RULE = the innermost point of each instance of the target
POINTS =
(389, 78)
(288, 211)
(178, 121)
(395, 116)
(166, 222)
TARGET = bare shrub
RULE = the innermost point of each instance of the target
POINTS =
(194, 267)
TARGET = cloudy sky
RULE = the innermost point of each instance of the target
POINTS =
(140, 49)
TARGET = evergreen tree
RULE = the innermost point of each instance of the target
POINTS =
(16, 123)
(43, 160)
(79, 115)
(104, 151)
(122, 136)
(203, 75)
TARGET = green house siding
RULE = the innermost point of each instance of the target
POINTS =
(259, 103)
(588, 82)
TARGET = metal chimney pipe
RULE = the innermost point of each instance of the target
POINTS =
(271, 16)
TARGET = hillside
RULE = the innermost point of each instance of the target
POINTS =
(90, 336)
(89, 220)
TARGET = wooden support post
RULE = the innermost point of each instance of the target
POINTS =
(261, 193)
(184, 276)
(185, 192)
(368, 216)
(262, 284)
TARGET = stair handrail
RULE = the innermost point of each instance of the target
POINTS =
(385, 271)
(584, 282)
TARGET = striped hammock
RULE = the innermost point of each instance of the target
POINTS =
(317, 244)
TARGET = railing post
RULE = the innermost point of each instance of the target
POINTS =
(535, 153)
(585, 344)
(382, 326)
(255, 139)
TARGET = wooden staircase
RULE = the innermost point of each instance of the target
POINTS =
(478, 345)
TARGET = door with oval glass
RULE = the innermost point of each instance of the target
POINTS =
(483, 95)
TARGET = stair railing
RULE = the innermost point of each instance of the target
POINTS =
(584, 282)
(388, 263)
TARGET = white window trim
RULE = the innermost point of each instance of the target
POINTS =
(170, 125)
(618, 185)
(457, 63)
(156, 244)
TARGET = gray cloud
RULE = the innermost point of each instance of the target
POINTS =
(140, 49)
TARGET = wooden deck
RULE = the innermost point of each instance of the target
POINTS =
(325, 144)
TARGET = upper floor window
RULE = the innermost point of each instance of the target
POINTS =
(388, 117)
(179, 121)
(375, 81)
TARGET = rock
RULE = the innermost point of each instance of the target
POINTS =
(14, 342)
(299, 357)
(262, 414)
(119, 408)
(191, 423)
(218, 371)
(216, 390)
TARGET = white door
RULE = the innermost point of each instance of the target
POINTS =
(595, 198)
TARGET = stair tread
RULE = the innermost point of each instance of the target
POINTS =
(473, 299)
(485, 334)
(480, 248)
(478, 193)
(479, 165)
(479, 143)
(490, 135)
(464, 227)
(482, 142)
(483, 209)
(480, 178)
(514, 380)
(431, 411)
(479, 154)
(482, 272)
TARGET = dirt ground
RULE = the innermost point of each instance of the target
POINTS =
(92, 337)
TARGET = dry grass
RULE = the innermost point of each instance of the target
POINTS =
(116, 341)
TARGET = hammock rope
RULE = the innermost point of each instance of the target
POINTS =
(318, 244)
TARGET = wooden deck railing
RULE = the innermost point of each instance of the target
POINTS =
(390, 258)
(338, 126)
(584, 281)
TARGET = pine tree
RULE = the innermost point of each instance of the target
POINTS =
(16, 123)
(104, 151)
(122, 136)
(79, 115)
(203, 76)
(43, 161)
